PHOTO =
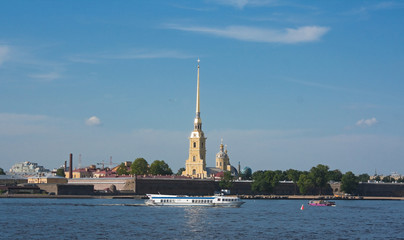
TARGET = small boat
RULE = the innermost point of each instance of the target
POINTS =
(184, 200)
(321, 203)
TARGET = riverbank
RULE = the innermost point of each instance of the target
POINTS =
(256, 197)
(317, 197)
(73, 196)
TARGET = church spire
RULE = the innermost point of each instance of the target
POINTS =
(198, 121)
(197, 95)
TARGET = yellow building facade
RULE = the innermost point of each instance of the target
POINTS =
(195, 165)
(60, 180)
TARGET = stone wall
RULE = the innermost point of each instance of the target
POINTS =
(381, 189)
(175, 186)
(67, 189)
(121, 184)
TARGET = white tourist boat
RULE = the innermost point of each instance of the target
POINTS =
(184, 200)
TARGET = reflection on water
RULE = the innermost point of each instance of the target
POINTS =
(193, 217)
(258, 219)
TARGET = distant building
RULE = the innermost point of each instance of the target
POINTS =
(27, 168)
(222, 159)
(222, 164)
(81, 173)
(47, 179)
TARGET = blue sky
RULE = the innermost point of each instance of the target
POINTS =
(286, 84)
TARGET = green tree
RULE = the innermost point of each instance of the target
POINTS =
(179, 172)
(2, 172)
(265, 181)
(319, 176)
(293, 175)
(304, 183)
(363, 177)
(122, 169)
(349, 182)
(335, 175)
(160, 168)
(60, 172)
(386, 179)
(226, 181)
(247, 174)
(139, 167)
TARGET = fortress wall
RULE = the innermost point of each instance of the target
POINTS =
(121, 184)
(381, 189)
(171, 186)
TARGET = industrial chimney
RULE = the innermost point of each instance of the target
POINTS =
(71, 166)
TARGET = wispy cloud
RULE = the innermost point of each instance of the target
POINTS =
(21, 124)
(315, 84)
(130, 54)
(93, 121)
(254, 34)
(243, 3)
(4, 52)
(46, 76)
(144, 54)
(366, 122)
(364, 10)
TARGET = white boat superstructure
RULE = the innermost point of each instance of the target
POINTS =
(184, 200)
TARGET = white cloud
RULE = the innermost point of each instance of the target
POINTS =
(93, 121)
(366, 122)
(253, 34)
(4, 52)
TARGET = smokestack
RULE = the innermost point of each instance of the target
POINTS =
(65, 168)
(71, 166)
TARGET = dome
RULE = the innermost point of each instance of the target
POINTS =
(246, 171)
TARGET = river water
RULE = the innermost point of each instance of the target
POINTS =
(257, 219)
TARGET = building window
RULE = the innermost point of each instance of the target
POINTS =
(193, 172)
(194, 144)
(193, 158)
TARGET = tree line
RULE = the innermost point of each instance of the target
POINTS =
(317, 178)
(141, 167)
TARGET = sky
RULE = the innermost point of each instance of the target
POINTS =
(285, 84)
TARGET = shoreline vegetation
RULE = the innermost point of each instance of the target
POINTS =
(253, 197)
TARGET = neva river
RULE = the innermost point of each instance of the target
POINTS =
(256, 219)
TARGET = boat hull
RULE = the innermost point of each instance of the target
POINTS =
(174, 200)
(321, 203)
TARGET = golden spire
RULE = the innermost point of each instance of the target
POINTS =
(198, 121)
(197, 95)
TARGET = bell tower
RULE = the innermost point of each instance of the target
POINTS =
(195, 165)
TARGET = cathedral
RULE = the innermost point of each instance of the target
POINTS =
(195, 165)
